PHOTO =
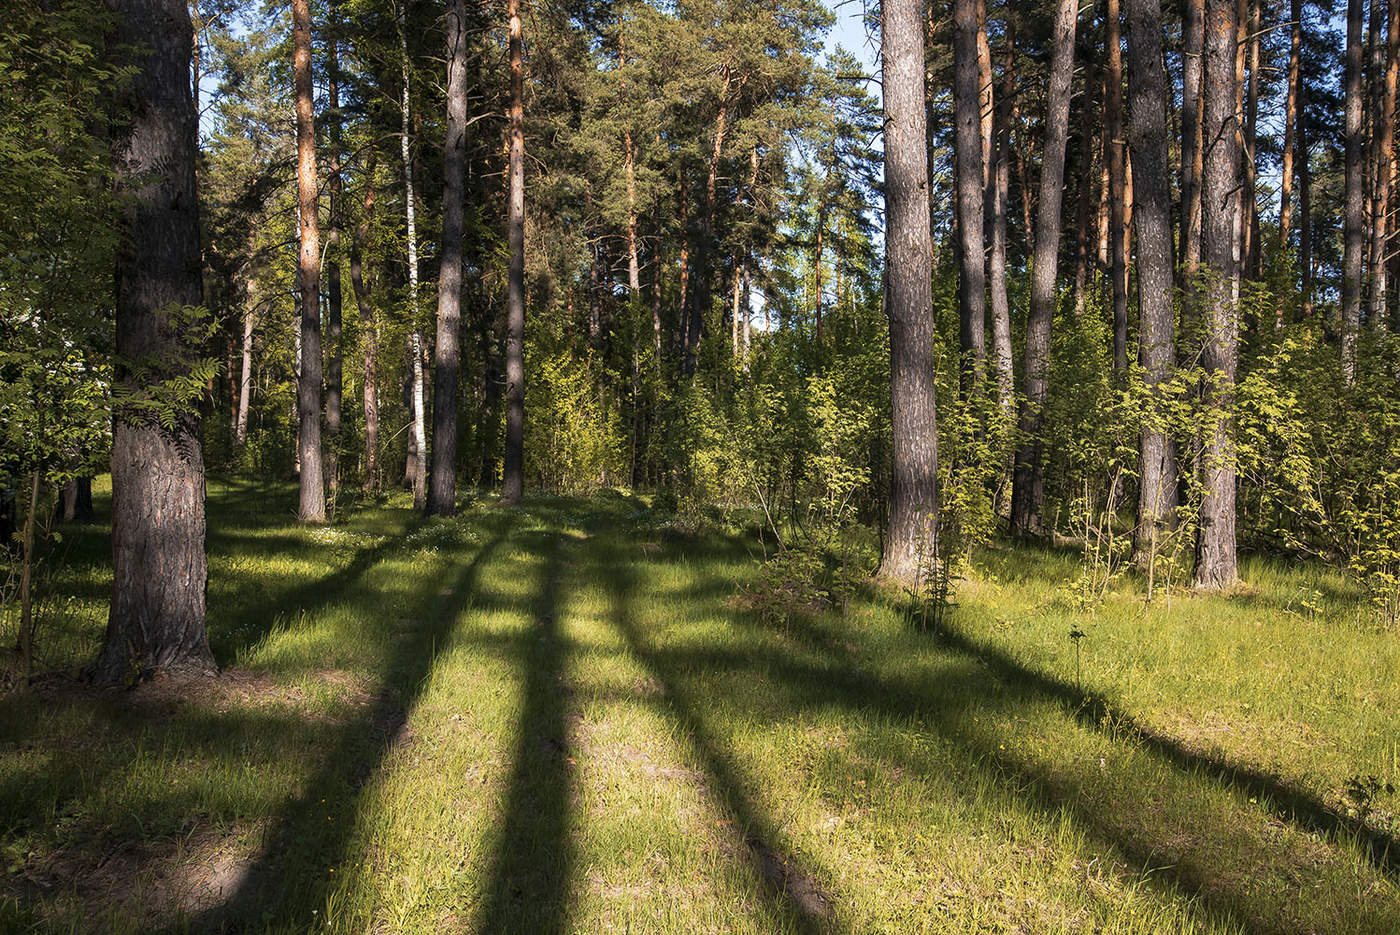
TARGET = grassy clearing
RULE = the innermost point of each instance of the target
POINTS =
(558, 718)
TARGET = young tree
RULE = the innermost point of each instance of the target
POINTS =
(1026, 492)
(908, 294)
(1220, 197)
(156, 619)
(1148, 94)
(442, 494)
(311, 507)
(513, 471)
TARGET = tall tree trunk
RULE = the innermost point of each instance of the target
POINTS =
(333, 297)
(513, 481)
(1383, 139)
(1148, 94)
(311, 506)
(245, 380)
(999, 194)
(1220, 193)
(1118, 186)
(1027, 489)
(1192, 154)
(369, 331)
(1304, 170)
(418, 448)
(156, 619)
(1290, 123)
(442, 495)
(700, 300)
(634, 270)
(970, 191)
(1354, 201)
(908, 296)
(1249, 248)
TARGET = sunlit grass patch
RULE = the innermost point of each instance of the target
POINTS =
(542, 719)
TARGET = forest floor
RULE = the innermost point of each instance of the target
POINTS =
(562, 718)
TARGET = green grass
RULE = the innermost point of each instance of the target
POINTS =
(557, 718)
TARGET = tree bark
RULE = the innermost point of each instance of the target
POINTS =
(999, 194)
(245, 380)
(970, 191)
(1290, 123)
(334, 381)
(369, 331)
(1354, 200)
(1384, 140)
(311, 506)
(513, 481)
(1192, 155)
(1117, 185)
(1250, 250)
(908, 297)
(418, 449)
(156, 619)
(1028, 485)
(700, 300)
(442, 496)
(1148, 94)
(1220, 194)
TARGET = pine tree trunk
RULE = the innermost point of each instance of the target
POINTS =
(970, 191)
(1028, 485)
(311, 506)
(442, 494)
(1148, 94)
(700, 300)
(1249, 249)
(245, 380)
(1118, 187)
(1354, 200)
(156, 619)
(1192, 155)
(369, 331)
(1384, 142)
(513, 481)
(1290, 123)
(999, 193)
(333, 296)
(1220, 194)
(908, 296)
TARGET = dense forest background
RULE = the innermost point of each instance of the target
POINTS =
(641, 245)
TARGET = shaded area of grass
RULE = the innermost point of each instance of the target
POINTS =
(553, 719)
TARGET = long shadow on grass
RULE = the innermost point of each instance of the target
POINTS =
(1381, 848)
(305, 597)
(794, 894)
(1222, 862)
(831, 675)
(528, 883)
(290, 881)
